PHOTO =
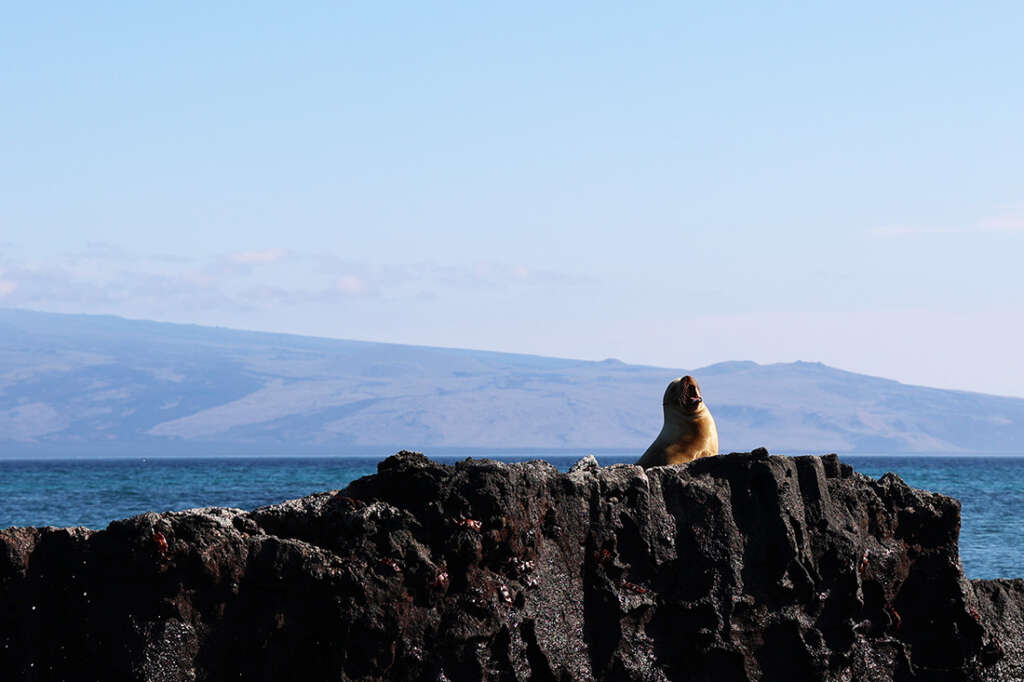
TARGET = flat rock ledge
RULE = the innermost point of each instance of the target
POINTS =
(737, 567)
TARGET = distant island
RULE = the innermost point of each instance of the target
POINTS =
(91, 385)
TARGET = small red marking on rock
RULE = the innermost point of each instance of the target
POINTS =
(390, 564)
(348, 501)
(472, 524)
(161, 543)
(897, 621)
(632, 587)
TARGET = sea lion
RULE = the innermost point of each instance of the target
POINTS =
(689, 431)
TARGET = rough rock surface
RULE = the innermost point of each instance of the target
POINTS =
(738, 567)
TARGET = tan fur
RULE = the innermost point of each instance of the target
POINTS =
(689, 431)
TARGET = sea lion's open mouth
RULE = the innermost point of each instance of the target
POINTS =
(691, 398)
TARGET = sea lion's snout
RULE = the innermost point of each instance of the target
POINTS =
(683, 393)
(690, 397)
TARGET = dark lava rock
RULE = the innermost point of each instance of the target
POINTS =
(737, 567)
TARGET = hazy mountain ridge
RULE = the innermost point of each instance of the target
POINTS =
(76, 382)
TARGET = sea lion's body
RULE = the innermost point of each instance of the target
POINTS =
(689, 431)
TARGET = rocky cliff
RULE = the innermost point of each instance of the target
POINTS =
(738, 567)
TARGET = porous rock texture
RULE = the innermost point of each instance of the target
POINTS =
(737, 567)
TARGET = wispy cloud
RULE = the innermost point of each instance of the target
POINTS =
(1005, 223)
(351, 284)
(60, 286)
(107, 253)
(103, 251)
(261, 257)
(434, 278)
(266, 296)
(101, 277)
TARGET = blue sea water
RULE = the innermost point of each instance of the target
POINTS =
(93, 492)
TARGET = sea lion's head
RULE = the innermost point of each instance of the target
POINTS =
(683, 394)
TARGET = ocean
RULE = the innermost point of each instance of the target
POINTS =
(93, 492)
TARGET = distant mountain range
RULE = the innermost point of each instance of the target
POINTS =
(84, 384)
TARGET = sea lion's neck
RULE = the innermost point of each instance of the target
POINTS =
(678, 423)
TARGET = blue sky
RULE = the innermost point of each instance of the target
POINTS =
(664, 183)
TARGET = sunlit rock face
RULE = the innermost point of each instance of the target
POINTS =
(737, 567)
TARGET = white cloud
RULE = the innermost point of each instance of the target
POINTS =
(1004, 223)
(899, 231)
(104, 254)
(73, 287)
(432, 279)
(242, 287)
(350, 284)
(262, 257)
(1007, 223)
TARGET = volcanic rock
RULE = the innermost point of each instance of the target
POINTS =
(731, 568)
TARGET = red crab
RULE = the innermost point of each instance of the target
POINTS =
(161, 543)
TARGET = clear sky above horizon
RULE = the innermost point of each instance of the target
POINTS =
(664, 183)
